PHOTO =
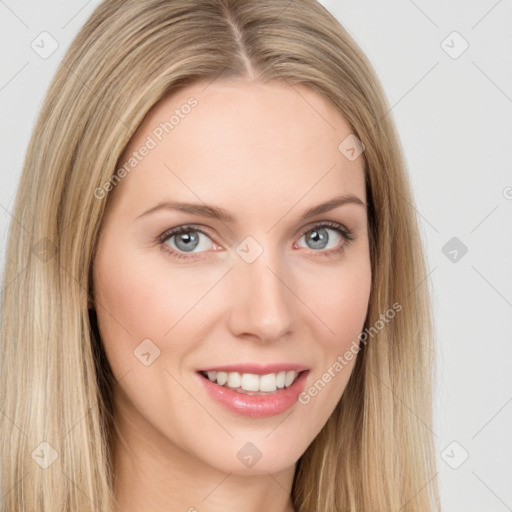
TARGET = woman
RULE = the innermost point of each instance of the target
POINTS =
(265, 370)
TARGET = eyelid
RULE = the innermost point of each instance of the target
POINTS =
(325, 223)
(183, 227)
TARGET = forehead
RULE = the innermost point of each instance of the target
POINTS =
(227, 140)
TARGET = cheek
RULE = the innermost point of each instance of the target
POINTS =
(134, 293)
(341, 307)
(351, 301)
(338, 297)
(137, 298)
(134, 304)
(126, 301)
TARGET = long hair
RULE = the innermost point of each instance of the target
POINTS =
(376, 451)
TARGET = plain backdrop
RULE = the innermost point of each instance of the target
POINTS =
(446, 68)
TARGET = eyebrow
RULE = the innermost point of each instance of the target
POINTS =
(216, 212)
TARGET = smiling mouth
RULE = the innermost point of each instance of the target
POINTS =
(253, 384)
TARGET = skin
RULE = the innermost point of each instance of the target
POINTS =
(265, 153)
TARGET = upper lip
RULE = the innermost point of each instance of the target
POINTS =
(256, 368)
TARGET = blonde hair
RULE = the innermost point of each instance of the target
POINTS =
(376, 451)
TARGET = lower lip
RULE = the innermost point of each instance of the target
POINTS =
(256, 406)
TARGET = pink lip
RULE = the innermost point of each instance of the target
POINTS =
(255, 368)
(255, 406)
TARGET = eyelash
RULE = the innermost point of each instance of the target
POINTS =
(347, 235)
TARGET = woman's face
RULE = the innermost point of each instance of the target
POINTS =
(251, 297)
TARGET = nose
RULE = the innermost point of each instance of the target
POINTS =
(263, 304)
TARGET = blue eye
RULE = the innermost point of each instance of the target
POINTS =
(319, 236)
(187, 239)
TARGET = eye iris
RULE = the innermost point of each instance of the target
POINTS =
(320, 236)
(190, 240)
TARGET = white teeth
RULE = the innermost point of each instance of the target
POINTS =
(281, 376)
(290, 377)
(249, 382)
(268, 383)
(234, 380)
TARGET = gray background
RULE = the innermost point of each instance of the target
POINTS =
(453, 110)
